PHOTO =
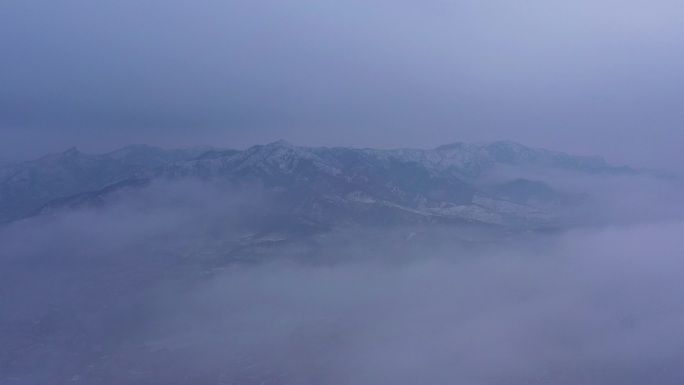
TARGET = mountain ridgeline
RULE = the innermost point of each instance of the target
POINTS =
(489, 184)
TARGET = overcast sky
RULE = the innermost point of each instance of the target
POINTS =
(585, 76)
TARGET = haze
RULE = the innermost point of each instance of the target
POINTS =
(538, 242)
(586, 77)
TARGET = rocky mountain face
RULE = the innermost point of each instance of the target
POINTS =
(328, 186)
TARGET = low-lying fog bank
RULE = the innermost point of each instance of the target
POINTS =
(173, 288)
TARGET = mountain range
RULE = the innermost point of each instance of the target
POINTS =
(478, 184)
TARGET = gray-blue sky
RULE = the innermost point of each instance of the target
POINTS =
(600, 77)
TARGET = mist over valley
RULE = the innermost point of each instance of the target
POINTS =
(473, 263)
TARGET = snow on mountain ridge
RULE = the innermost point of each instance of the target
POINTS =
(477, 157)
(430, 181)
